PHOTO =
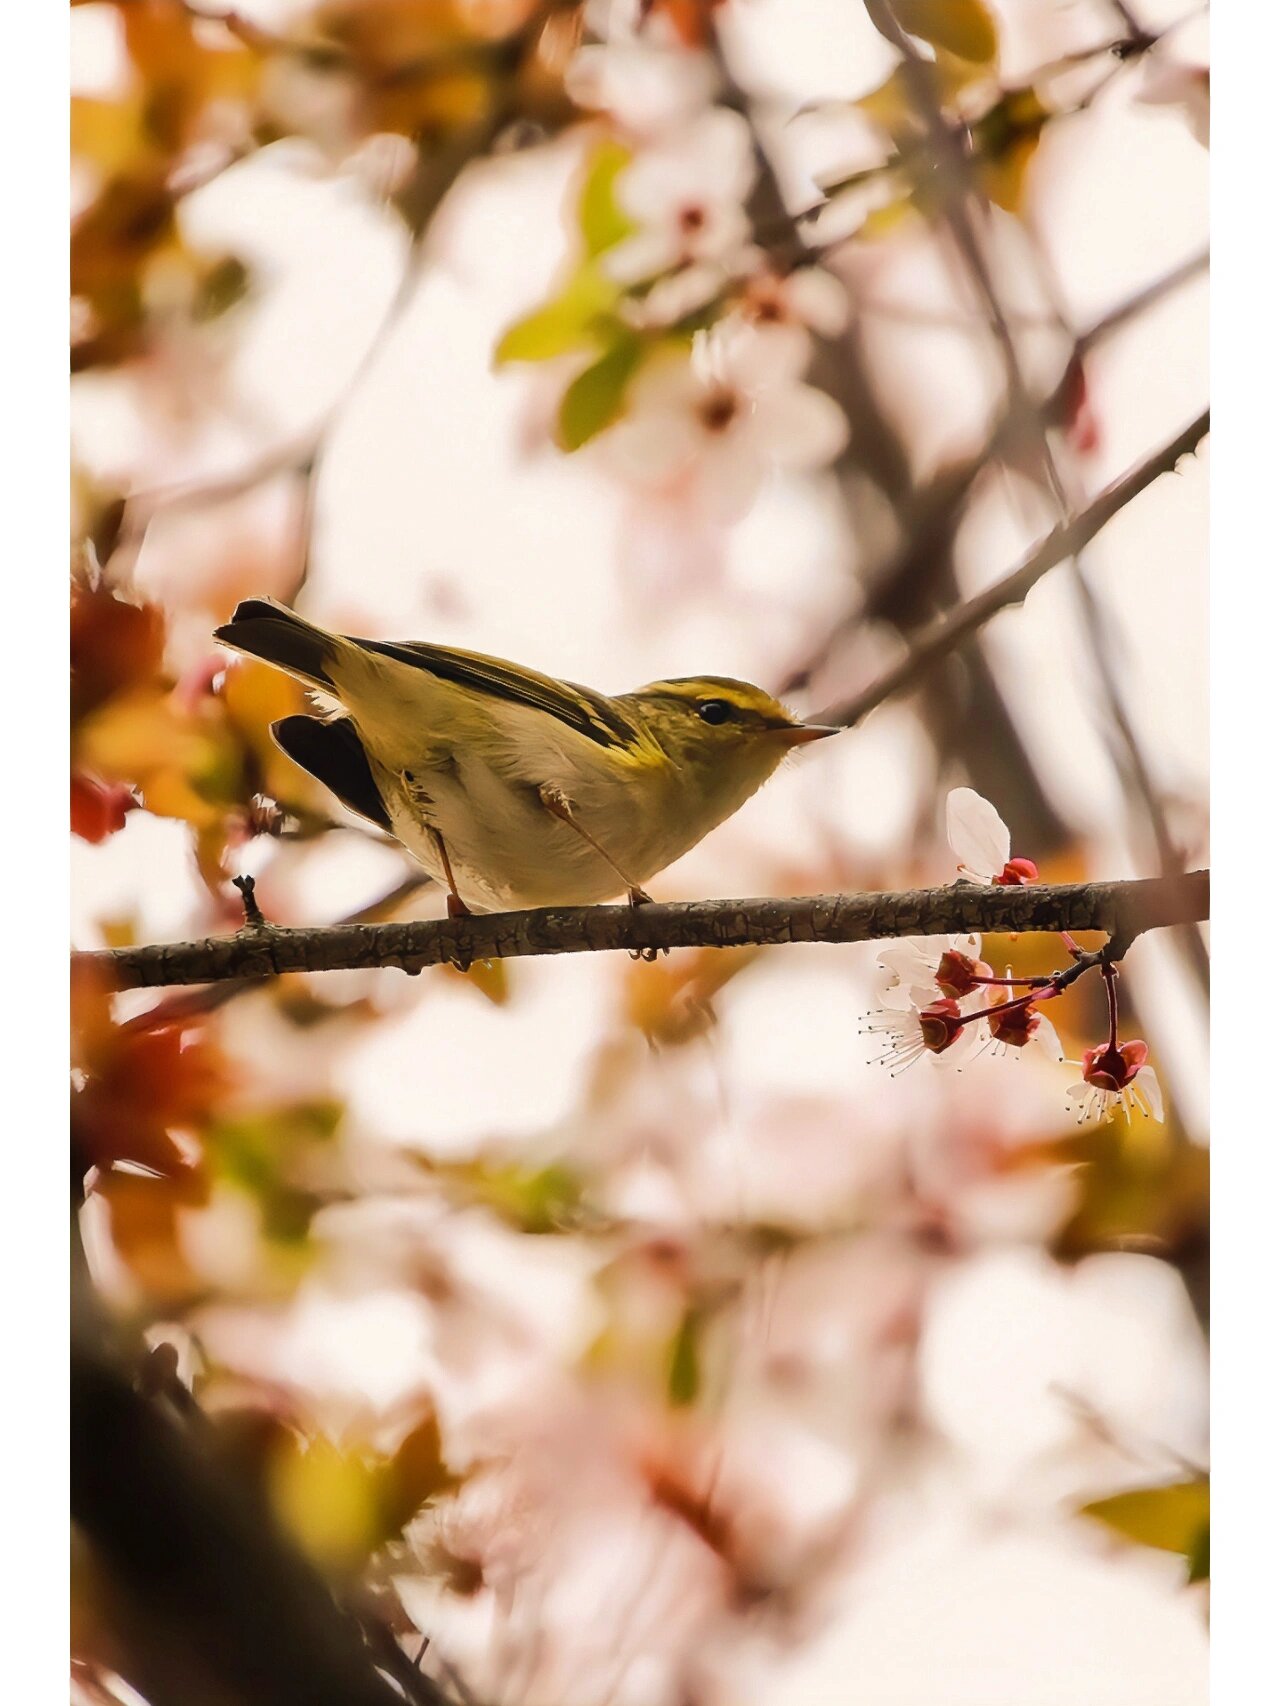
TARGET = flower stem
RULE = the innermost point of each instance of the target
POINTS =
(1111, 977)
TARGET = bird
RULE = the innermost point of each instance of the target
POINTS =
(511, 788)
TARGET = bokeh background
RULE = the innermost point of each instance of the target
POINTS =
(623, 1328)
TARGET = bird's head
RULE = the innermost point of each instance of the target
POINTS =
(724, 735)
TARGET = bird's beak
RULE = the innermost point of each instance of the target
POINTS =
(800, 734)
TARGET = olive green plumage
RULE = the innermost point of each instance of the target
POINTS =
(511, 787)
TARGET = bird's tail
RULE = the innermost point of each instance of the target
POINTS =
(266, 629)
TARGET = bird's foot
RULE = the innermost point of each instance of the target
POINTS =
(637, 897)
(456, 907)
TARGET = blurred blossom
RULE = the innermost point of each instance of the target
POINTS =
(711, 429)
(807, 296)
(1173, 83)
(646, 89)
(686, 195)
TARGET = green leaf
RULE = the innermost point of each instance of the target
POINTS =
(600, 219)
(596, 397)
(570, 321)
(1173, 1518)
(684, 1379)
(962, 27)
(540, 1200)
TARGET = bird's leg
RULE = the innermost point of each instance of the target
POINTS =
(556, 801)
(454, 903)
(455, 906)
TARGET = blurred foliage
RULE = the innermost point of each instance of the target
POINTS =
(198, 749)
(1172, 1518)
(962, 27)
(342, 1504)
(588, 313)
(204, 89)
(534, 1200)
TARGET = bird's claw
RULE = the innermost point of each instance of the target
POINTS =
(637, 897)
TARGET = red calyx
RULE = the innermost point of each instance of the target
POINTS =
(941, 1022)
(958, 974)
(1016, 873)
(1014, 1026)
(1111, 1066)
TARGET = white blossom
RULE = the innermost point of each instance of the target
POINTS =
(686, 196)
(722, 420)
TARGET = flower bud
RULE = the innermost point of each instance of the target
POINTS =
(1112, 1066)
(1016, 873)
(941, 1022)
(960, 974)
(1014, 1026)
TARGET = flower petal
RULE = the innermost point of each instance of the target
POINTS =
(720, 142)
(1148, 1086)
(800, 427)
(1046, 1038)
(818, 299)
(645, 255)
(976, 833)
(730, 476)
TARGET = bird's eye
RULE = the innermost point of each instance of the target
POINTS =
(715, 710)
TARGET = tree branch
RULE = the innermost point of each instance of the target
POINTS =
(961, 623)
(1123, 909)
(217, 1606)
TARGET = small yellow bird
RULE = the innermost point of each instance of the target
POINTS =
(511, 788)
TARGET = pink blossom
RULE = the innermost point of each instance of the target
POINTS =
(722, 420)
(686, 195)
(909, 968)
(980, 840)
(938, 1027)
(1117, 1076)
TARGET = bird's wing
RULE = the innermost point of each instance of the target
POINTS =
(590, 713)
(333, 754)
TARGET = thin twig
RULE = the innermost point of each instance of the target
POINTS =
(961, 623)
(253, 914)
(961, 194)
(953, 486)
(1122, 909)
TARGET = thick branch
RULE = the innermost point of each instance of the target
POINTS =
(1123, 909)
(218, 1606)
(959, 624)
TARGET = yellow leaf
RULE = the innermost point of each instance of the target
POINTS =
(107, 134)
(1005, 179)
(884, 221)
(328, 1502)
(137, 733)
(1173, 1517)
(569, 321)
(962, 27)
(891, 107)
